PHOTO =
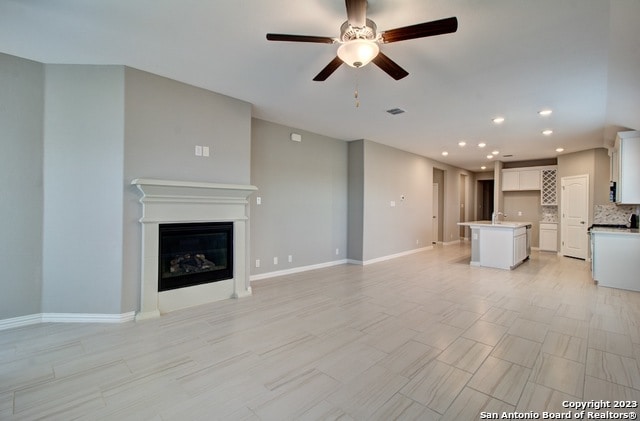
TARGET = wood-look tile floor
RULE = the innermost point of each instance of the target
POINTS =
(421, 337)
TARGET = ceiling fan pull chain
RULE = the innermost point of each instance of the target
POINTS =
(355, 94)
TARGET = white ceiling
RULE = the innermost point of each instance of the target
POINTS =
(508, 58)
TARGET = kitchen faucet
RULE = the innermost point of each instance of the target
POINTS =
(494, 216)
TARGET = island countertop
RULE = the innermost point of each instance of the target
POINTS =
(488, 224)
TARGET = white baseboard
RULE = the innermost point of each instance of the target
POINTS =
(297, 270)
(33, 319)
(390, 256)
(87, 317)
(450, 243)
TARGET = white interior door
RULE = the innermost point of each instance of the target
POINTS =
(436, 217)
(574, 208)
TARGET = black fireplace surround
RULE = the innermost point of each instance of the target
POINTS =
(194, 253)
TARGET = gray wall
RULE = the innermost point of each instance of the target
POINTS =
(164, 121)
(83, 160)
(389, 174)
(356, 200)
(21, 202)
(303, 188)
(73, 138)
(623, 101)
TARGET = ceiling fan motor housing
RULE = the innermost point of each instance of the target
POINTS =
(349, 33)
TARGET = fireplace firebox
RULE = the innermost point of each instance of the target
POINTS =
(194, 253)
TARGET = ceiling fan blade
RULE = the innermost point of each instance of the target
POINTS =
(357, 13)
(300, 38)
(328, 70)
(389, 66)
(420, 30)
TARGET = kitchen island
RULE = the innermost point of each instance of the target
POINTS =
(502, 245)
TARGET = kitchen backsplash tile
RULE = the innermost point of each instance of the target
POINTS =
(549, 214)
(613, 214)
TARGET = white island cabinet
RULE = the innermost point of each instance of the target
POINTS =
(500, 245)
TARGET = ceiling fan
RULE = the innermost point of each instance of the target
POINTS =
(359, 40)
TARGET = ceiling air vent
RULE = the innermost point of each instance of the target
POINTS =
(507, 156)
(395, 111)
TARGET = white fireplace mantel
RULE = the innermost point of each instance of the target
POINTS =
(171, 201)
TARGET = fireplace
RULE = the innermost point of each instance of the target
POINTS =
(221, 211)
(194, 253)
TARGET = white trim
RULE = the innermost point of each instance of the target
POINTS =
(33, 319)
(450, 243)
(87, 318)
(298, 270)
(393, 256)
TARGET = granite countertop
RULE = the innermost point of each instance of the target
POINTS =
(622, 231)
(488, 224)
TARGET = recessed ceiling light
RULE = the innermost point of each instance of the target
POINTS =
(483, 167)
(560, 150)
(462, 143)
(545, 112)
(498, 120)
(489, 156)
(547, 132)
(482, 145)
(495, 152)
(445, 153)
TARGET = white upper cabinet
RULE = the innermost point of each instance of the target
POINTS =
(510, 180)
(530, 180)
(520, 179)
(625, 160)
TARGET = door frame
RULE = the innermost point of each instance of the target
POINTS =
(563, 220)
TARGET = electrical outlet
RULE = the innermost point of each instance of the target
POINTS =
(198, 150)
(205, 151)
(337, 252)
(257, 263)
(258, 200)
(290, 258)
(275, 260)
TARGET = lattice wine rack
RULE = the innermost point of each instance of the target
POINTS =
(549, 194)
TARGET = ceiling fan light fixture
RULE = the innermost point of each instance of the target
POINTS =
(358, 52)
